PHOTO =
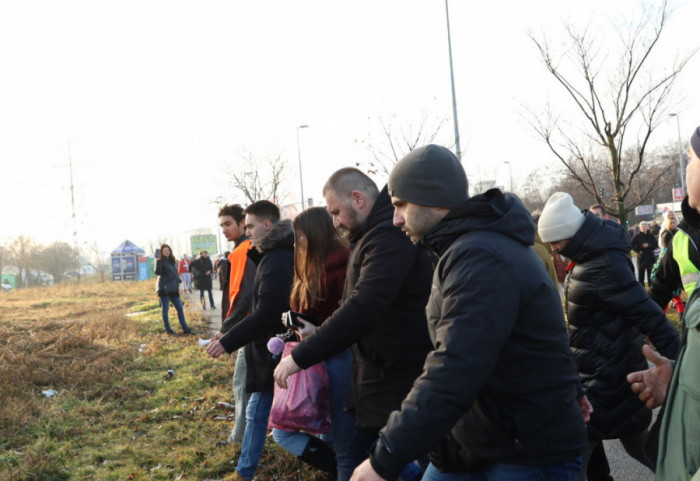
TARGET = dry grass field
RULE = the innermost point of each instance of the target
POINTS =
(117, 414)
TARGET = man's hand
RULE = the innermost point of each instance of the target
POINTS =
(284, 369)
(586, 408)
(215, 349)
(218, 335)
(365, 472)
(651, 385)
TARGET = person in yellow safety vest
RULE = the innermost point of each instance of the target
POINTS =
(678, 387)
(678, 266)
(236, 300)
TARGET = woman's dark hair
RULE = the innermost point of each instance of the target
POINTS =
(171, 257)
(316, 226)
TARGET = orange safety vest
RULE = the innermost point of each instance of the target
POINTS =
(238, 257)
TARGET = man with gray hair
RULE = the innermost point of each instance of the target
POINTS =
(499, 391)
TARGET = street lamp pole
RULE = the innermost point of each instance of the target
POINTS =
(510, 174)
(458, 149)
(301, 178)
(680, 151)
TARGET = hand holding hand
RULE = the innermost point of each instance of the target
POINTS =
(652, 384)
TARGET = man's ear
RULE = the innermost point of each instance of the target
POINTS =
(267, 223)
(357, 199)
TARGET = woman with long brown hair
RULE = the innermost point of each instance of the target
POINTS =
(168, 287)
(320, 260)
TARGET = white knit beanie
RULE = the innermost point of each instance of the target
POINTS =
(560, 218)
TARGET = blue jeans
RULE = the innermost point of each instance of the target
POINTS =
(295, 442)
(257, 416)
(165, 305)
(240, 398)
(509, 472)
(211, 297)
(355, 443)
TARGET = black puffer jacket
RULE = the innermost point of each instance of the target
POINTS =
(274, 256)
(382, 316)
(501, 380)
(608, 310)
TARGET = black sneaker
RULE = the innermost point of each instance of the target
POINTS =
(169, 333)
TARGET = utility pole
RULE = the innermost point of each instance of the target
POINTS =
(72, 202)
(458, 149)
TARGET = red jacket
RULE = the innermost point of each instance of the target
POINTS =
(183, 266)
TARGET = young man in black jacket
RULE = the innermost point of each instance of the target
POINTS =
(381, 317)
(273, 241)
(500, 388)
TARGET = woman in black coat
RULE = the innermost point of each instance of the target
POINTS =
(608, 312)
(201, 271)
(168, 287)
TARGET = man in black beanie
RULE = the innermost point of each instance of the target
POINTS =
(679, 388)
(499, 391)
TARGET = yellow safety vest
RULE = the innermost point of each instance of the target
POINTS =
(681, 254)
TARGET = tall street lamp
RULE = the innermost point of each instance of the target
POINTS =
(510, 174)
(301, 178)
(680, 150)
(452, 80)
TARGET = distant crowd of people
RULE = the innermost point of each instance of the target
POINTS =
(454, 350)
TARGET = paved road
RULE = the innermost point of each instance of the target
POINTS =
(214, 315)
(622, 466)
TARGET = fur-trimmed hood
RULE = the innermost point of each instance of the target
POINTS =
(280, 235)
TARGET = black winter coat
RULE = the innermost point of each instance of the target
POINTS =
(382, 317)
(274, 256)
(645, 255)
(608, 311)
(168, 283)
(501, 380)
(199, 269)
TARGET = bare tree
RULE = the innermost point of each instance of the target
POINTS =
(259, 179)
(619, 99)
(154, 244)
(56, 259)
(23, 256)
(100, 262)
(396, 141)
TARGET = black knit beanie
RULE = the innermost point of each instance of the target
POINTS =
(695, 141)
(430, 176)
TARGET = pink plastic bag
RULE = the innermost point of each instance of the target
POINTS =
(305, 404)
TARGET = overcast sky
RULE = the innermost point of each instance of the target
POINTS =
(155, 100)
